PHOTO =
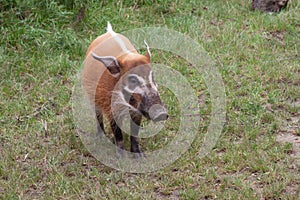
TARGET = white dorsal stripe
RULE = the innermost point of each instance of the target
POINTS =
(117, 38)
(109, 28)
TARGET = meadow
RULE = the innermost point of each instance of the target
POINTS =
(42, 48)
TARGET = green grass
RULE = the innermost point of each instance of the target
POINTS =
(43, 44)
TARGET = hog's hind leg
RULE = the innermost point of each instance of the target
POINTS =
(119, 141)
(100, 125)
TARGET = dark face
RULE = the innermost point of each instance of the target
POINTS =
(140, 89)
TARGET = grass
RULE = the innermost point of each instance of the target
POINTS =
(43, 44)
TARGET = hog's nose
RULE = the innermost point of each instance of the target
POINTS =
(161, 117)
(158, 113)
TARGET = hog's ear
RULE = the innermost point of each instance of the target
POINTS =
(110, 63)
(148, 54)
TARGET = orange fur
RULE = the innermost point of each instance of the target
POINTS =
(97, 80)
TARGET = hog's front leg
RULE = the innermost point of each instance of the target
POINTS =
(135, 127)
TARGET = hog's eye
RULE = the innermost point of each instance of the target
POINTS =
(133, 81)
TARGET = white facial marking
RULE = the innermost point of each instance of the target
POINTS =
(128, 89)
(119, 106)
(119, 99)
(137, 90)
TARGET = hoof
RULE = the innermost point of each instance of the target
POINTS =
(120, 153)
(137, 152)
(138, 155)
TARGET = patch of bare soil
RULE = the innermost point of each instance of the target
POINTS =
(295, 140)
(275, 35)
(291, 133)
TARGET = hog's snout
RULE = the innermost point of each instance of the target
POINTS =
(158, 113)
(161, 117)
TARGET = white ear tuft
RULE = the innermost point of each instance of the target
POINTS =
(109, 28)
(148, 49)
